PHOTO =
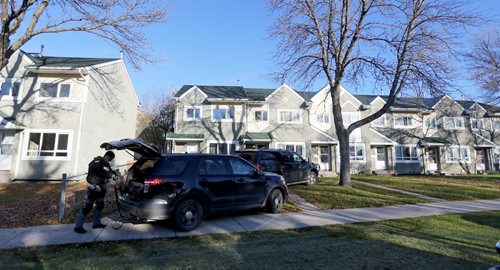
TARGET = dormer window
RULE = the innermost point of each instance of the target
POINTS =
(323, 118)
(476, 124)
(192, 113)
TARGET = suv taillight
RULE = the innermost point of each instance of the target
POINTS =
(257, 166)
(151, 182)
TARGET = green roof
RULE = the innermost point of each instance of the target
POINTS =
(236, 92)
(69, 62)
(172, 135)
(257, 136)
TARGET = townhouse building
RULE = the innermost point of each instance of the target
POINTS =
(416, 136)
(56, 111)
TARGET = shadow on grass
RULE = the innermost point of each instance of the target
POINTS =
(386, 245)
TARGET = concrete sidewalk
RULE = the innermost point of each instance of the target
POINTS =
(63, 234)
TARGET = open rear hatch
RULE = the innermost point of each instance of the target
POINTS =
(132, 185)
(146, 151)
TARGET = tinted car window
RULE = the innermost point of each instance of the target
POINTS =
(240, 167)
(213, 166)
(266, 156)
(249, 156)
(169, 166)
(296, 158)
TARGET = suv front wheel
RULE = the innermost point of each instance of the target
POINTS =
(188, 215)
(312, 178)
(274, 201)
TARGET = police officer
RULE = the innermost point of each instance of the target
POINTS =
(99, 172)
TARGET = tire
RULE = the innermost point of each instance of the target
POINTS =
(188, 215)
(274, 201)
(312, 178)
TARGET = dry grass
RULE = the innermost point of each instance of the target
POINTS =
(25, 204)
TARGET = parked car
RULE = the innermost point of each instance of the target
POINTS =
(186, 188)
(289, 164)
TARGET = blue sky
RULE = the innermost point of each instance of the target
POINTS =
(202, 42)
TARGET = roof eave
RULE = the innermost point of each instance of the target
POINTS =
(59, 70)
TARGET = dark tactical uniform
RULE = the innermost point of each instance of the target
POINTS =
(99, 172)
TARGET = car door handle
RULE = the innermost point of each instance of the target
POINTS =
(241, 180)
(203, 180)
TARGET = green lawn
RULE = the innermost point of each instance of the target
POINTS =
(327, 194)
(439, 242)
(449, 188)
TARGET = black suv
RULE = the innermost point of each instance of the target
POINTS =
(187, 187)
(289, 164)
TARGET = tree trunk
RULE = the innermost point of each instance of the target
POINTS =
(345, 162)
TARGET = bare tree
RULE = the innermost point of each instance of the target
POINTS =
(156, 118)
(117, 21)
(484, 65)
(401, 45)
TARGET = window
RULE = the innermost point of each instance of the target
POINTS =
(476, 123)
(55, 90)
(221, 148)
(496, 155)
(453, 123)
(357, 152)
(192, 113)
(240, 167)
(406, 154)
(286, 116)
(261, 116)
(404, 121)
(47, 145)
(323, 118)
(293, 147)
(223, 114)
(379, 122)
(171, 166)
(430, 123)
(10, 88)
(457, 153)
(6, 144)
(496, 125)
(213, 166)
(349, 118)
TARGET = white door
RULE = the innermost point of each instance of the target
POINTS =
(480, 160)
(6, 150)
(192, 148)
(381, 160)
(431, 159)
(324, 157)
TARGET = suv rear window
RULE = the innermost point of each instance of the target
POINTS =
(251, 157)
(170, 166)
(268, 156)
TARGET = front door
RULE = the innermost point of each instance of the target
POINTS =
(480, 160)
(431, 159)
(381, 160)
(324, 157)
(6, 150)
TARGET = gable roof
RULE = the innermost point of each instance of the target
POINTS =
(66, 62)
(236, 92)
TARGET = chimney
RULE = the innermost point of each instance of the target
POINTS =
(237, 82)
(121, 54)
(41, 49)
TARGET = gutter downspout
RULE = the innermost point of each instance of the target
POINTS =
(80, 124)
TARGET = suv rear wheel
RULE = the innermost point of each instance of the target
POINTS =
(274, 201)
(188, 215)
(312, 178)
